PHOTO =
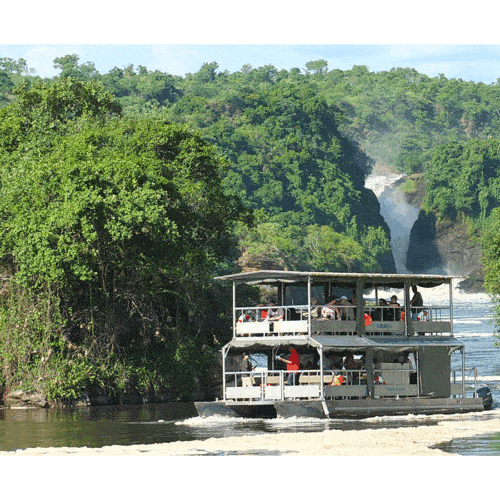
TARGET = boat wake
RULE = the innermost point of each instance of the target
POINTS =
(218, 420)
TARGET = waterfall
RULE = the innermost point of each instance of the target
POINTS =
(399, 215)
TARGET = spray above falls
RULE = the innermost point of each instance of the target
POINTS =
(397, 212)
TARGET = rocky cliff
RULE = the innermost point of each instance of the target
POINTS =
(443, 246)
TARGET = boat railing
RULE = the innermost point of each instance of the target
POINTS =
(294, 385)
(307, 384)
(424, 313)
(336, 319)
(462, 381)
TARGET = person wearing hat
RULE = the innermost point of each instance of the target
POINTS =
(347, 312)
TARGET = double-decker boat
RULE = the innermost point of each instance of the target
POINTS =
(353, 354)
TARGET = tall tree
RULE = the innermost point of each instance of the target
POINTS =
(69, 67)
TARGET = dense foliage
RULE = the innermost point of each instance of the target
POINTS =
(290, 163)
(463, 179)
(114, 226)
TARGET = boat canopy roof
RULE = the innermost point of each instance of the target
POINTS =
(269, 277)
(353, 343)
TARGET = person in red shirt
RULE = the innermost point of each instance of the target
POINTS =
(293, 364)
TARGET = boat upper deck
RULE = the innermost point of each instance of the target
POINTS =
(324, 304)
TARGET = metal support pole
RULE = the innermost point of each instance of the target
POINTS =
(309, 295)
(224, 354)
(234, 309)
(463, 372)
(408, 325)
(370, 374)
(360, 312)
(451, 307)
(322, 390)
(322, 393)
(417, 366)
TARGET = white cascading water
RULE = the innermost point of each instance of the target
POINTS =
(399, 215)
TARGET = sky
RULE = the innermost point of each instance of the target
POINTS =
(432, 37)
(479, 63)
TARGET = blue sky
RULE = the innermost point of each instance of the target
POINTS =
(469, 62)
(431, 37)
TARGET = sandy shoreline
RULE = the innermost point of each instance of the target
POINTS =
(402, 441)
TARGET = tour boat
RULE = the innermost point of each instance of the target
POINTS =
(359, 357)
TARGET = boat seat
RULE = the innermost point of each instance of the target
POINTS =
(273, 380)
(315, 379)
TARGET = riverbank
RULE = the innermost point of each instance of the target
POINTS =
(403, 441)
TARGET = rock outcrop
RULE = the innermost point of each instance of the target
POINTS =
(19, 398)
(445, 246)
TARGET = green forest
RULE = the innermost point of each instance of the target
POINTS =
(123, 194)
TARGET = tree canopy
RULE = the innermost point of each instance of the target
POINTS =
(463, 179)
(122, 220)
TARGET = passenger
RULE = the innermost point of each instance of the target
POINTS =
(352, 364)
(376, 313)
(274, 314)
(337, 362)
(416, 302)
(315, 310)
(261, 313)
(347, 313)
(247, 365)
(293, 363)
(333, 362)
(329, 312)
(394, 301)
(244, 317)
(423, 315)
(396, 314)
(383, 310)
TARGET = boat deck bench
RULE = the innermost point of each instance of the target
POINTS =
(315, 379)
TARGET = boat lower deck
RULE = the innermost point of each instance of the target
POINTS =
(342, 408)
